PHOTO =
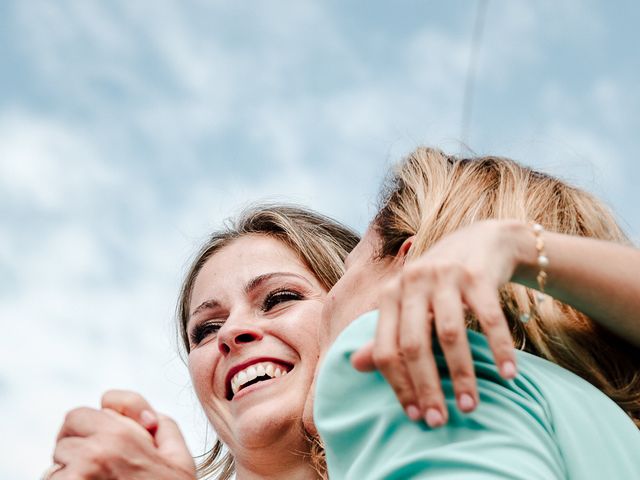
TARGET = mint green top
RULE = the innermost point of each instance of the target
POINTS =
(545, 424)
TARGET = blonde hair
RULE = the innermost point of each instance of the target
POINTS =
(430, 194)
(321, 243)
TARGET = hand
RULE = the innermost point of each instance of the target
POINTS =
(463, 270)
(106, 444)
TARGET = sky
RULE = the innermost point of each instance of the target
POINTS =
(130, 130)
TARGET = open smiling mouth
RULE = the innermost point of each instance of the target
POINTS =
(254, 373)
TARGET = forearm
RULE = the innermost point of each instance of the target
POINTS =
(599, 278)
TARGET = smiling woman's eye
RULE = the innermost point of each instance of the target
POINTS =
(203, 330)
(279, 296)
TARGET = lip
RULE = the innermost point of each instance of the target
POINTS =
(235, 369)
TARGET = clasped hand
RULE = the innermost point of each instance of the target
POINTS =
(126, 439)
(463, 271)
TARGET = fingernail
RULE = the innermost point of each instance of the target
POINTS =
(466, 403)
(434, 418)
(148, 420)
(509, 369)
(413, 412)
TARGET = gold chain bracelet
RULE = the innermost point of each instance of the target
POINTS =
(542, 261)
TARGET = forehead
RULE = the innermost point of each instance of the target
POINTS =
(244, 259)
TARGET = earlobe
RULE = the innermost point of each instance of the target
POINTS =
(405, 248)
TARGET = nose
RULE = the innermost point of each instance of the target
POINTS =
(233, 336)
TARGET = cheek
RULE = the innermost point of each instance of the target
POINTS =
(201, 371)
(313, 322)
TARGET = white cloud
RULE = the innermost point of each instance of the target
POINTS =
(47, 164)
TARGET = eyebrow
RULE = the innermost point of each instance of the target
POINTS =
(249, 287)
(207, 304)
(260, 279)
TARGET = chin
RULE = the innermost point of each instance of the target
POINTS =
(260, 422)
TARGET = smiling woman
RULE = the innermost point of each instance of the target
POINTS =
(265, 316)
(249, 314)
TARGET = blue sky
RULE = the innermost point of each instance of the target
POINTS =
(128, 130)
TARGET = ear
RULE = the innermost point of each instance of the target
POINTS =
(404, 249)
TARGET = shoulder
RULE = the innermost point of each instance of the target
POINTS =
(534, 420)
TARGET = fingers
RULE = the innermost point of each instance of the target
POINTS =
(421, 299)
(485, 304)
(452, 335)
(108, 443)
(416, 351)
(82, 422)
(386, 356)
(72, 451)
(132, 405)
(92, 442)
(362, 360)
(85, 422)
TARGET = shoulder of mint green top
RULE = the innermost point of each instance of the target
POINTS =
(547, 423)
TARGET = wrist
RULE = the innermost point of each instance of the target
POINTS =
(525, 253)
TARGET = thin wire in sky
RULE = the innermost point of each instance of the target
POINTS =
(467, 102)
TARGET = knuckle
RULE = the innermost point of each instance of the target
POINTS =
(94, 458)
(449, 334)
(112, 395)
(109, 453)
(411, 349)
(461, 374)
(120, 433)
(95, 453)
(101, 463)
(492, 319)
(123, 398)
(457, 271)
(469, 276)
(445, 269)
(74, 414)
(427, 391)
(385, 359)
(504, 351)
(429, 397)
(413, 273)
(405, 395)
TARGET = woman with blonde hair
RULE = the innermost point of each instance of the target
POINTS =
(455, 237)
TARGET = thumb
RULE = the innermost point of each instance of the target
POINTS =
(362, 359)
(171, 444)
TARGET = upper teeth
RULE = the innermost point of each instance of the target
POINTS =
(254, 371)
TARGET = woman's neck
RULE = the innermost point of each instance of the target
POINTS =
(276, 465)
(282, 454)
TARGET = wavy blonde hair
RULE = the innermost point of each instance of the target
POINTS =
(320, 242)
(430, 194)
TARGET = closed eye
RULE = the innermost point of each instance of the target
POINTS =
(204, 330)
(277, 297)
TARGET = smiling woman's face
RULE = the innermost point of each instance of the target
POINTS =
(253, 328)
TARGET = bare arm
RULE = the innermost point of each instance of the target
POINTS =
(599, 278)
